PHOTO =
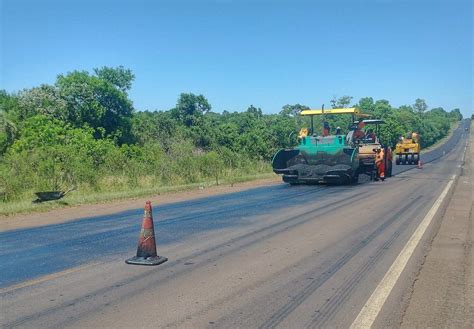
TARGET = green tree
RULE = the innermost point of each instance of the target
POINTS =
(190, 109)
(366, 105)
(341, 102)
(456, 114)
(155, 127)
(97, 103)
(120, 77)
(293, 110)
(9, 110)
(8, 131)
(420, 106)
(43, 100)
(256, 112)
(382, 108)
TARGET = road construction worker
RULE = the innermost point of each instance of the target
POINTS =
(326, 129)
(350, 134)
(370, 136)
(380, 163)
(359, 134)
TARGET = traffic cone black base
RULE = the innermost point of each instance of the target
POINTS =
(155, 260)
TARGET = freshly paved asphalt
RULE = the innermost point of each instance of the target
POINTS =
(271, 256)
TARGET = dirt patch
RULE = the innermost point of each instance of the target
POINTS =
(63, 215)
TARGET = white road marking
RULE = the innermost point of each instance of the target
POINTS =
(374, 304)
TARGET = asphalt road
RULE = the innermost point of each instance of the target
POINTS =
(288, 256)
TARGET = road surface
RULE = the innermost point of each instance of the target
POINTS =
(278, 256)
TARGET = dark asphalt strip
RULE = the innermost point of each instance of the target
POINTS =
(10, 239)
(223, 249)
(286, 193)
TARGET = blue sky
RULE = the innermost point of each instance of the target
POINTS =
(237, 53)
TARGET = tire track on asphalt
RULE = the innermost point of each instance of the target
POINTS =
(283, 312)
(329, 309)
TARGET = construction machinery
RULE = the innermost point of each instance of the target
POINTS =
(408, 150)
(320, 159)
(368, 143)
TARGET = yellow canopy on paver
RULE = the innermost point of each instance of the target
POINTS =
(350, 110)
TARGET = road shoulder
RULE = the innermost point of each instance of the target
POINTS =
(443, 293)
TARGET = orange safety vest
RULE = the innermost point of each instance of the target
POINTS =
(379, 162)
(379, 156)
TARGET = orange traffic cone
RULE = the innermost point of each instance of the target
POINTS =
(420, 164)
(146, 251)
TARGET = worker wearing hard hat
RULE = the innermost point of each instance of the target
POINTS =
(326, 129)
(380, 163)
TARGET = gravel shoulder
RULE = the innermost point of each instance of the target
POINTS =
(443, 295)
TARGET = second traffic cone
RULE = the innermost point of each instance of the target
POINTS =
(420, 164)
(146, 251)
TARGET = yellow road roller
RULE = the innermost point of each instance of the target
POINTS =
(408, 150)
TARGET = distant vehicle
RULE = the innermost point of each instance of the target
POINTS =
(320, 158)
(408, 150)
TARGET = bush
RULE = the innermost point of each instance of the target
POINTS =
(50, 155)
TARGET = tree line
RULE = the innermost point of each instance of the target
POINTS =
(84, 131)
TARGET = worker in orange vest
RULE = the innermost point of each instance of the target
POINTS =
(380, 163)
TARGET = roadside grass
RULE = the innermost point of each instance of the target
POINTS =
(87, 197)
